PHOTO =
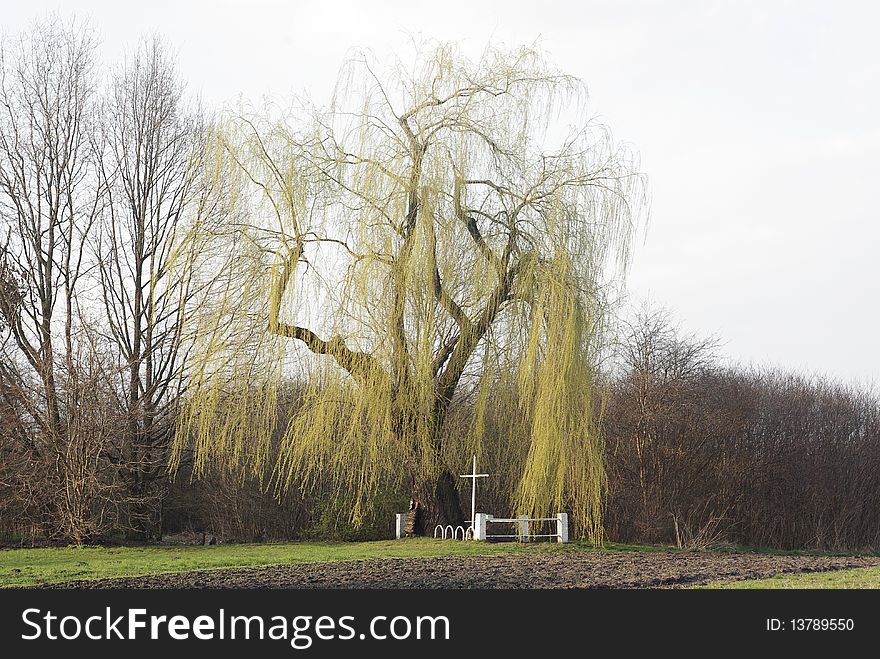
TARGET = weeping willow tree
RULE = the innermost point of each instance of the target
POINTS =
(435, 237)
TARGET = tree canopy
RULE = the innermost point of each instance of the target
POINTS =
(442, 234)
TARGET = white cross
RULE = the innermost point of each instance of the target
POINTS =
(473, 476)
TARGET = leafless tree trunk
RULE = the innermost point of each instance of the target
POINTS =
(49, 201)
(151, 168)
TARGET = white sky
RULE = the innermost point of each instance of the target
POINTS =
(758, 124)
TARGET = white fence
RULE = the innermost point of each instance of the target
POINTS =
(480, 529)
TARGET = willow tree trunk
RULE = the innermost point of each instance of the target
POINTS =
(438, 502)
(436, 495)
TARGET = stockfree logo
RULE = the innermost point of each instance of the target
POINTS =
(300, 631)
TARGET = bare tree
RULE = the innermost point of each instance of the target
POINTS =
(50, 198)
(653, 409)
(155, 145)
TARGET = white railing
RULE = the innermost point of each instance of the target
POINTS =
(478, 529)
(523, 523)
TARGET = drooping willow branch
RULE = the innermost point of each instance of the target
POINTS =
(357, 363)
(434, 256)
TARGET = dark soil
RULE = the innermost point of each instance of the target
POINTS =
(570, 569)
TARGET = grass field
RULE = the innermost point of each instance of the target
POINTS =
(28, 567)
(858, 578)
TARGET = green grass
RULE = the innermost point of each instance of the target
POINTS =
(29, 567)
(863, 577)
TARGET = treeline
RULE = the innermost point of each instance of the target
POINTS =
(106, 193)
(102, 182)
(701, 454)
(698, 454)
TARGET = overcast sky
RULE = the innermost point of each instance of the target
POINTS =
(758, 125)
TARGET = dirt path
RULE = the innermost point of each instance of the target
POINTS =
(540, 570)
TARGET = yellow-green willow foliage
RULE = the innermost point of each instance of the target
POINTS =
(433, 239)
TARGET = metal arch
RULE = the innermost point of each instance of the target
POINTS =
(453, 533)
